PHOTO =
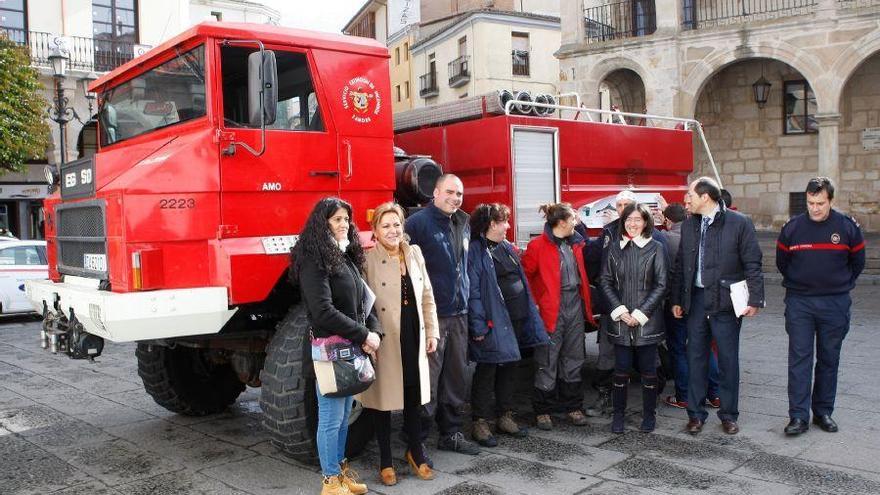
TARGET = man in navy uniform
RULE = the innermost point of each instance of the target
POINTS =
(817, 305)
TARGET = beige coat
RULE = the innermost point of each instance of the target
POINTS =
(383, 277)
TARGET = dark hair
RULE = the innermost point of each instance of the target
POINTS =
(727, 198)
(643, 210)
(317, 245)
(819, 184)
(675, 212)
(707, 185)
(483, 216)
(556, 212)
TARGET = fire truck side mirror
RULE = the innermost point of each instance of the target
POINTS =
(262, 88)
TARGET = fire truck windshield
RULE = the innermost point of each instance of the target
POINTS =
(168, 94)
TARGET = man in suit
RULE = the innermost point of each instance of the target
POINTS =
(718, 248)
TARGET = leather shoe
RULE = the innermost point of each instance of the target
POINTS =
(730, 427)
(694, 426)
(796, 426)
(826, 423)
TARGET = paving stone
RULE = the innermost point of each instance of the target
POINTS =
(515, 475)
(117, 461)
(68, 433)
(367, 465)
(28, 469)
(155, 434)
(90, 488)
(618, 488)
(30, 420)
(93, 409)
(241, 429)
(264, 476)
(809, 475)
(665, 476)
(178, 483)
(678, 450)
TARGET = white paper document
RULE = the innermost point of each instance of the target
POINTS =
(369, 298)
(739, 296)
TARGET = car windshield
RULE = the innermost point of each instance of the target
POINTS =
(168, 94)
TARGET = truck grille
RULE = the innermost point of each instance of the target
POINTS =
(80, 230)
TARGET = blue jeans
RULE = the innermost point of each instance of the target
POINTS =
(676, 337)
(332, 431)
(724, 328)
(820, 323)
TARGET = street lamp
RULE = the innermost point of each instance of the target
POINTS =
(90, 95)
(761, 88)
(60, 112)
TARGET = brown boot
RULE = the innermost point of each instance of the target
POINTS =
(349, 478)
(506, 424)
(577, 418)
(482, 434)
(388, 476)
(333, 486)
(544, 422)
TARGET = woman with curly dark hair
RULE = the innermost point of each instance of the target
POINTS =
(327, 264)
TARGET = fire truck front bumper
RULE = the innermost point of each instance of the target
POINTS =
(133, 316)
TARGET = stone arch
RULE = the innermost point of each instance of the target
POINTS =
(606, 67)
(805, 63)
(625, 91)
(850, 60)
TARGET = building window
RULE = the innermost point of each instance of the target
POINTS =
(398, 92)
(462, 46)
(799, 107)
(406, 51)
(397, 56)
(406, 89)
(366, 27)
(13, 20)
(115, 30)
(520, 53)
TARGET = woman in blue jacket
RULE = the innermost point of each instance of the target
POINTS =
(502, 319)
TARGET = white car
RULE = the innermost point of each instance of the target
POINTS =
(20, 261)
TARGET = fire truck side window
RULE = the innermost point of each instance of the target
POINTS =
(168, 94)
(297, 104)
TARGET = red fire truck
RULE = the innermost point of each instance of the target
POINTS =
(213, 148)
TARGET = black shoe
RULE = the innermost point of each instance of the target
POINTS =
(826, 423)
(796, 426)
(457, 443)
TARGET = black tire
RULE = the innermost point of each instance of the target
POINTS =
(287, 395)
(182, 380)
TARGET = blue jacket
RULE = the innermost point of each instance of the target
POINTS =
(488, 316)
(431, 230)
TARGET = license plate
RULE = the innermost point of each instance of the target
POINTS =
(95, 262)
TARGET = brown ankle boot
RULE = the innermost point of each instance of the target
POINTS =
(349, 478)
(333, 486)
(506, 424)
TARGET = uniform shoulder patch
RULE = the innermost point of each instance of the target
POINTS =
(853, 220)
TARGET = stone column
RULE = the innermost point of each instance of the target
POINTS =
(571, 13)
(829, 156)
(668, 16)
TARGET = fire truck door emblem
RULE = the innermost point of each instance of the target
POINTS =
(362, 99)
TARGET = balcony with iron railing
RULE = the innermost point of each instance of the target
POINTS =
(520, 62)
(428, 85)
(698, 14)
(459, 71)
(619, 20)
(86, 54)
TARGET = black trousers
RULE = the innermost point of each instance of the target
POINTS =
(489, 380)
(626, 356)
(412, 426)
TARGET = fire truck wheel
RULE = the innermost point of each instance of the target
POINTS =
(287, 395)
(181, 380)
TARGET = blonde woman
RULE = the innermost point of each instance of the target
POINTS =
(396, 272)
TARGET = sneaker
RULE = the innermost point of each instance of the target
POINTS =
(602, 406)
(714, 402)
(350, 479)
(544, 422)
(481, 433)
(333, 486)
(577, 418)
(672, 401)
(457, 443)
(506, 424)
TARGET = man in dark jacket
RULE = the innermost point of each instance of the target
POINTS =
(718, 248)
(441, 230)
(820, 255)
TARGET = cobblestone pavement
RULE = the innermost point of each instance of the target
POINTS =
(73, 427)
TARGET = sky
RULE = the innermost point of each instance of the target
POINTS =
(317, 15)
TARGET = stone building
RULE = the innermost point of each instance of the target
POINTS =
(98, 36)
(818, 60)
